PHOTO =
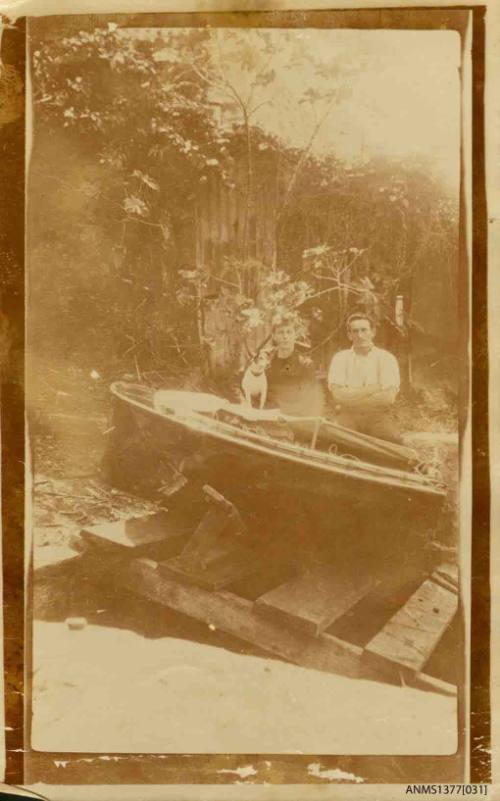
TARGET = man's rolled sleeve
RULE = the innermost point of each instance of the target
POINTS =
(337, 374)
(389, 371)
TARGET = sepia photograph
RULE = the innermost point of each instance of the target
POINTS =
(246, 390)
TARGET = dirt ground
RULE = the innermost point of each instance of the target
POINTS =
(141, 678)
(111, 690)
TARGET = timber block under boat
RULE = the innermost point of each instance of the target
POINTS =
(216, 574)
(316, 599)
(409, 638)
(154, 534)
(217, 553)
(196, 570)
(235, 615)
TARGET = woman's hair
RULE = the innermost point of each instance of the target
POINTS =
(360, 316)
(287, 319)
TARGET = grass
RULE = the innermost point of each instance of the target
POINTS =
(431, 410)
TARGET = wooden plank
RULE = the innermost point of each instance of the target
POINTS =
(216, 554)
(139, 534)
(235, 615)
(314, 600)
(214, 575)
(52, 564)
(204, 539)
(411, 635)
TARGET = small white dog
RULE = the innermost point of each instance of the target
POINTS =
(254, 382)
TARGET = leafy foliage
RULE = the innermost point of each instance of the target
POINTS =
(130, 136)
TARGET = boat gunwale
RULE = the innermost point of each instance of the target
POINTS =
(327, 462)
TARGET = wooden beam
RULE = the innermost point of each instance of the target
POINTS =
(214, 575)
(314, 600)
(217, 553)
(131, 532)
(235, 616)
(231, 614)
(148, 535)
(407, 641)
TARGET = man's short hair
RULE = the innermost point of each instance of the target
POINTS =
(360, 316)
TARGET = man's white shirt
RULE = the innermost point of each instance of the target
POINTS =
(351, 369)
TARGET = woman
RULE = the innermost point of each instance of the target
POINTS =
(292, 384)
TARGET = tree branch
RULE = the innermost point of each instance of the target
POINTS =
(298, 166)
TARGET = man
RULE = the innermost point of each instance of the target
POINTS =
(364, 382)
(292, 384)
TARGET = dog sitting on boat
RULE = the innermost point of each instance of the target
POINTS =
(254, 382)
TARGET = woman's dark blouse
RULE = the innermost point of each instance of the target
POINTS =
(293, 387)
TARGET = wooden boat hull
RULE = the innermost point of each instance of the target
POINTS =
(270, 482)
